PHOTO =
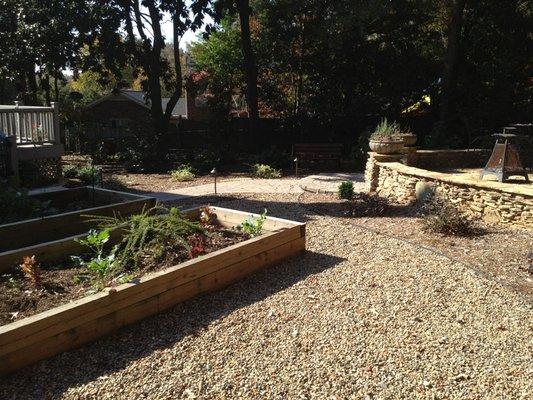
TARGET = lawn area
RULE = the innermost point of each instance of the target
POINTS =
(372, 310)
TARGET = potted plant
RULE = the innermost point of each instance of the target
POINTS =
(386, 138)
(408, 137)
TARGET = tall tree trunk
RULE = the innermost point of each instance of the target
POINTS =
(32, 86)
(449, 82)
(45, 84)
(56, 88)
(250, 69)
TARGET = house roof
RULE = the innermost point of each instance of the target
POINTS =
(138, 96)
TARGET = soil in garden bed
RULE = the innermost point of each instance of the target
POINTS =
(63, 281)
(43, 209)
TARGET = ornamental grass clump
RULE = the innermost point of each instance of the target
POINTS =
(386, 131)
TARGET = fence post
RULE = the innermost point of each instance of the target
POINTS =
(57, 133)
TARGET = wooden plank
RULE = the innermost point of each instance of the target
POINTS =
(19, 234)
(146, 285)
(91, 329)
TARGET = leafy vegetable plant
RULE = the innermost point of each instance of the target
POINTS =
(253, 226)
(100, 267)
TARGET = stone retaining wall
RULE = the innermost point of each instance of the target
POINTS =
(491, 201)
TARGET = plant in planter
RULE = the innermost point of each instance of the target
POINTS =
(408, 137)
(386, 138)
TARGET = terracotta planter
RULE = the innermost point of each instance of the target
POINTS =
(389, 146)
(409, 140)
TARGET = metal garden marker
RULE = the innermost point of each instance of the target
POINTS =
(214, 173)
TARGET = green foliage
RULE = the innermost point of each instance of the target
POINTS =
(70, 171)
(253, 226)
(265, 172)
(89, 175)
(100, 267)
(183, 173)
(386, 131)
(440, 216)
(346, 190)
(151, 234)
(16, 205)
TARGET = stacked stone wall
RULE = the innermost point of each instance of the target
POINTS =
(483, 200)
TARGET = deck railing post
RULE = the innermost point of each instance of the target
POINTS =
(18, 125)
(57, 135)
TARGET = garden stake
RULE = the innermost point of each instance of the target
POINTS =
(214, 172)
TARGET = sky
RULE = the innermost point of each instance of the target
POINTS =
(189, 36)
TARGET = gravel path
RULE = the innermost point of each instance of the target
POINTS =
(360, 316)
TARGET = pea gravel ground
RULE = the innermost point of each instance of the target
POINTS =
(360, 316)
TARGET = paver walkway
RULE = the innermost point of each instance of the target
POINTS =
(329, 182)
(321, 183)
(241, 185)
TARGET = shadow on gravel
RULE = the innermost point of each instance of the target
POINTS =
(53, 377)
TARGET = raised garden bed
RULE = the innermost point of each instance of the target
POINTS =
(25, 237)
(61, 328)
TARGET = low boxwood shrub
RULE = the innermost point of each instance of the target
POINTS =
(346, 190)
(265, 171)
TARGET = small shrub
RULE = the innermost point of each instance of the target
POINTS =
(70, 171)
(346, 190)
(442, 217)
(31, 270)
(265, 171)
(90, 174)
(253, 226)
(183, 174)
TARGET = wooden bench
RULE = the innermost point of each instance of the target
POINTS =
(318, 151)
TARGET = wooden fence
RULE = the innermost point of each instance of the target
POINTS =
(29, 124)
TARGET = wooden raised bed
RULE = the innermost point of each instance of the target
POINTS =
(25, 238)
(68, 326)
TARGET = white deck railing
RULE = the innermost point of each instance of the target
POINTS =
(30, 125)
